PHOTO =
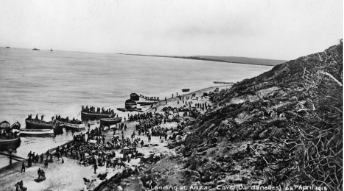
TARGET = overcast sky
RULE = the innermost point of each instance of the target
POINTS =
(279, 29)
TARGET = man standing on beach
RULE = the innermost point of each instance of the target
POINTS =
(23, 167)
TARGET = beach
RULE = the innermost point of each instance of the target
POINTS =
(70, 174)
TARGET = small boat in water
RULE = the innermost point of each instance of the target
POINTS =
(185, 90)
(51, 49)
(37, 133)
(33, 124)
(85, 116)
(8, 47)
(35, 49)
(217, 82)
(110, 121)
(9, 144)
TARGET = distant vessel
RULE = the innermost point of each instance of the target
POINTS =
(217, 82)
(35, 49)
(7, 47)
(51, 49)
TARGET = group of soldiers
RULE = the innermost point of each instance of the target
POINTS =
(97, 110)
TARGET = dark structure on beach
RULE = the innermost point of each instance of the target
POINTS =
(130, 104)
(134, 97)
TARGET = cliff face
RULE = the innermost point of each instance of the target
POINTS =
(282, 127)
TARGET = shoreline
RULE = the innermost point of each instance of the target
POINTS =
(16, 166)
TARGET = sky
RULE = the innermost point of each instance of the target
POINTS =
(276, 29)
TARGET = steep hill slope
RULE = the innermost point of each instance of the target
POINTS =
(283, 127)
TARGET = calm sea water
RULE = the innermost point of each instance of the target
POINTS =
(59, 82)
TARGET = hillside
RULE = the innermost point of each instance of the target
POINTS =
(281, 128)
(229, 59)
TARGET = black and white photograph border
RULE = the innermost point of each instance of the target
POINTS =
(183, 95)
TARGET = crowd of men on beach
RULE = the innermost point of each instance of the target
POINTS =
(92, 109)
(91, 149)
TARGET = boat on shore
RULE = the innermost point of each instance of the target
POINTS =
(36, 133)
(73, 126)
(147, 102)
(9, 144)
(16, 125)
(85, 116)
(5, 125)
(35, 49)
(32, 124)
(185, 90)
(110, 121)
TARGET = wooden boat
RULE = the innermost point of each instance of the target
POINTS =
(9, 144)
(32, 124)
(121, 109)
(85, 116)
(147, 102)
(5, 125)
(217, 82)
(130, 104)
(37, 133)
(110, 121)
(134, 96)
(16, 125)
(185, 90)
(74, 126)
(35, 49)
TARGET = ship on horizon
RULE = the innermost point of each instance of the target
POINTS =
(35, 49)
(51, 49)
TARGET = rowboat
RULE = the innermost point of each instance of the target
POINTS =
(147, 102)
(85, 116)
(16, 125)
(110, 121)
(121, 109)
(5, 125)
(74, 126)
(31, 124)
(130, 104)
(217, 82)
(9, 144)
(185, 90)
(37, 133)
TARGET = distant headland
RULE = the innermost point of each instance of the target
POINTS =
(229, 59)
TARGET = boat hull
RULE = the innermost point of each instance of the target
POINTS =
(9, 144)
(110, 121)
(185, 90)
(37, 133)
(93, 116)
(76, 127)
(30, 124)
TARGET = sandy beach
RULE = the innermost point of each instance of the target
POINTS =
(69, 175)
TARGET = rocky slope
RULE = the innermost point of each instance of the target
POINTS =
(281, 128)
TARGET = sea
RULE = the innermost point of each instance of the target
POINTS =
(53, 83)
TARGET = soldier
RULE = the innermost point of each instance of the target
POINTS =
(23, 167)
